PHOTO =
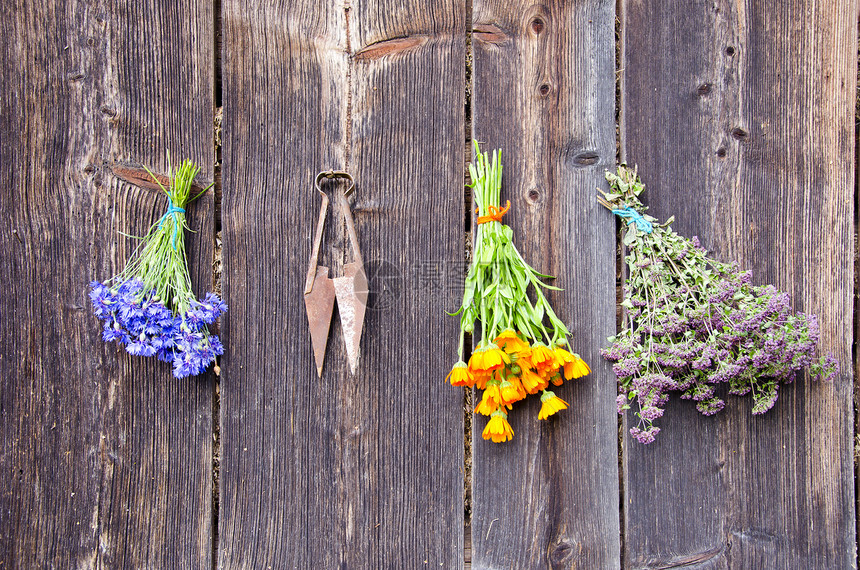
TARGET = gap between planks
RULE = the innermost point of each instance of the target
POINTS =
(468, 397)
(216, 270)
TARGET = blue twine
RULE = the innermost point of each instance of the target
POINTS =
(172, 210)
(632, 216)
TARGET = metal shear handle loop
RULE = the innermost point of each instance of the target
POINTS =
(347, 213)
(330, 174)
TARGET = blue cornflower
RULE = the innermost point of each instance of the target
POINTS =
(152, 310)
(113, 332)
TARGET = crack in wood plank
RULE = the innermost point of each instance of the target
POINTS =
(390, 47)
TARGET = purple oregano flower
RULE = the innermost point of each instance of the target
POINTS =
(149, 308)
(693, 323)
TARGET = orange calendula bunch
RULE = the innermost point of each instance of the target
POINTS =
(523, 346)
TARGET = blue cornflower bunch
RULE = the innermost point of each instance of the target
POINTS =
(694, 323)
(149, 307)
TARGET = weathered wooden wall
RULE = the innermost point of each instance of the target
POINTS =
(739, 115)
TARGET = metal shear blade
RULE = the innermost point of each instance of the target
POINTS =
(350, 290)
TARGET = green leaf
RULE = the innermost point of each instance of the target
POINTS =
(469, 294)
(630, 236)
(538, 312)
(522, 325)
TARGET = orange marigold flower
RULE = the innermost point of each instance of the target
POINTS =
(562, 355)
(531, 381)
(476, 361)
(493, 391)
(542, 356)
(576, 369)
(481, 377)
(509, 392)
(523, 358)
(487, 405)
(519, 386)
(510, 342)
(460, 375)
(495, 357)
(551, 404)
(498, 429)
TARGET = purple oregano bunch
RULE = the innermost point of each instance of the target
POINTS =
(150, 307)
(693, 323)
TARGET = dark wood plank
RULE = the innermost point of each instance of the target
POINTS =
(543, 91)
(284, 87)
(408, 84)
(106, 457)
(344, 471)
(739, 116)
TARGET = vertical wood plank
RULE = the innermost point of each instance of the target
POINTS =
(284, 87)
(739, 116)
(543, 93)
(343, 471)
(408, 90)
(97, 445)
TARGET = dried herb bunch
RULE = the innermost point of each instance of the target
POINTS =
(149, 306)
(523, 346)
(693, 323)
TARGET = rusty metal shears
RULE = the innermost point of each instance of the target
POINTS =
(350, 290)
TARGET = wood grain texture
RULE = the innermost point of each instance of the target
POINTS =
(739, 116)
(407, 127)
(348, 471)
(543, 92)
(106, 458)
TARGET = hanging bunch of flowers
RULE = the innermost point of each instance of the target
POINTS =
(149, 307)
(523, 346)
(693, 323)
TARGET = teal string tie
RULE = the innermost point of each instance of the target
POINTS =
(634, 217)
(172, 210)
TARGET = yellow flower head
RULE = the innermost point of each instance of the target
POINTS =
(476, 361)
(487, 405)
(509, 392)
(542, 356)
(523, 359)
(493, 391)
(561, 355)
(498, 429)
(495, 357)
(519, 386)
(481, 377)
(551, 404)
(531, 381)
(460, 375)
(576, 369)
(510, 342)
